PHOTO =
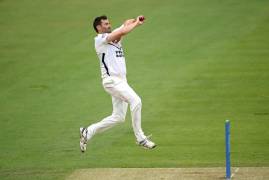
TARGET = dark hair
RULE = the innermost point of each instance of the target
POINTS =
(97, 21)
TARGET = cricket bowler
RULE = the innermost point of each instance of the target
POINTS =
(113, 72)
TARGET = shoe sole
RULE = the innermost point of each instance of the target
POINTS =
(81, 136)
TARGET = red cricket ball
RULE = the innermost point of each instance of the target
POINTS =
(142, 18)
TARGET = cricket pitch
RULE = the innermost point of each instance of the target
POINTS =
(239, 173)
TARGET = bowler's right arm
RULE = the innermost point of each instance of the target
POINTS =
(128, 26)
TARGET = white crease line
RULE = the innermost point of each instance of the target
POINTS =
(233, 174)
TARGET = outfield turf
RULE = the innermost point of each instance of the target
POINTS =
(194, 63)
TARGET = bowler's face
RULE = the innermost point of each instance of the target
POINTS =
(105, 26)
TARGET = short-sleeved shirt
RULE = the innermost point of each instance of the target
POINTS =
(111, 56)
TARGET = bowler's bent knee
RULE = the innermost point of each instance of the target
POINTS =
(118, 118)
(136, 103)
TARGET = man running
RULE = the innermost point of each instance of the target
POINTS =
(113, 71)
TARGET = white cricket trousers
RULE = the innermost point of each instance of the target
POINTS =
(122, 95)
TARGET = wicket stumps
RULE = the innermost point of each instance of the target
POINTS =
(227, 145)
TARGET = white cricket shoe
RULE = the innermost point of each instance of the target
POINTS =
(83, 139)
(146, 143)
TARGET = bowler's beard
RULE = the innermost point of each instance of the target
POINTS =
(108, 30)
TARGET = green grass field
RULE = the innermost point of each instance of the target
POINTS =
(194, 63)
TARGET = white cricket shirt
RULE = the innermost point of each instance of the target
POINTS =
(112, 61)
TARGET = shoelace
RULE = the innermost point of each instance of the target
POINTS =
(145, 140)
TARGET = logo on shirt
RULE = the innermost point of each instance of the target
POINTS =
(119, 54)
